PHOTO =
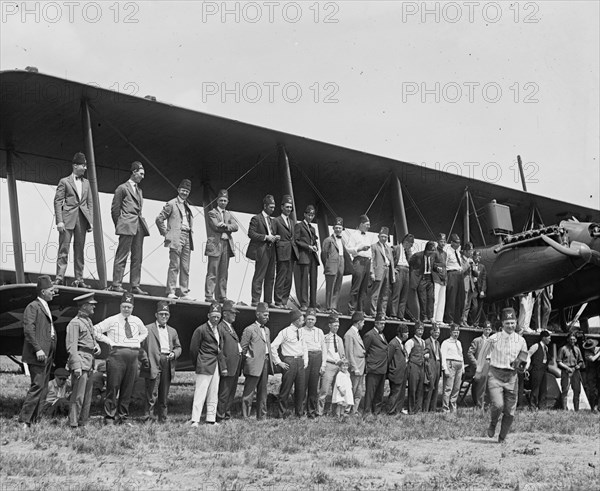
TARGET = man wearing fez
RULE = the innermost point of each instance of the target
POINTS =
(306, 240)
(178, 238)
(39, 347)
(314, 340)
(232, 351)
(359, 248)
(219, 248)
(334, 352)
(261, 249)
(439, 278)
(124, 334)
(402, 254)
(421, 280)
(355, 352)
(81, 347)
(130, 226)
(417, 356)
(505, 349)
(160, 351)
(382, 274)
(433, 367)
(73, 209)
(293, 362)
(206, 353)
(256, 353)
(335, 259)
(397, 370)
(376, 355)
(287, 252)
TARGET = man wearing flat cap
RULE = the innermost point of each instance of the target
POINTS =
(59, 393)
(130, 226)
(220, 224)
(508, 353)
(261, 249)
(355, 352)
(306, 240)
(293, 362)
(159, 354)
(258, 365)
(206, 353)
(287, 251)
(334, 352)
(335, 259)
(73, 210)
(382, 274)
(232, 352)
(82, 347)
(124, 334)
(359, 247)
(39, 347)
(178, 238)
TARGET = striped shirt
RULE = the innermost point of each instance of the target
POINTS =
(505, 349)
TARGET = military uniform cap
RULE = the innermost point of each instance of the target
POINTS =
(85, 298)
(79, 159)
(508, 314)
(127, 298)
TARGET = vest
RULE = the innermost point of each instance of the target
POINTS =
(417, 354)
(537, 359)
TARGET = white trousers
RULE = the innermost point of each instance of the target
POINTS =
(207, 389)
(439, 302)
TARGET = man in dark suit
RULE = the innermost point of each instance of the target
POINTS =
(206, 353)
(178, 238)
(402, 254)
(335, 259)
(38, 349)
(421, 265)
(126, 213)
(397, 372)
(455, 286)
(439, 278)
(287, 252)
(433, 367)
(480, 280)
(262, 250)
(159, 351)
(382, 274)
(219, 248)
(539, 358)
(417, 357)
(73, 210)
(305, 238)
(232, 351)
(376, 353)
(258, 365)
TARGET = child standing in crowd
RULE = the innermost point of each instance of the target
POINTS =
(342, 392)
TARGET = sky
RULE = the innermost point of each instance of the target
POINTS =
(456, 86)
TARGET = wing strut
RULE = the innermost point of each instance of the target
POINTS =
(15, 221)
(399, 210)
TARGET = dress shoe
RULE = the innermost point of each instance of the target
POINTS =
(172, 296)
(188, 298)
(25, 426)
(278, 306)
(195, 424)
(491, 431)
(273, 305)
(253, 304)
(118, 289)
(58, 281)
(80, 284)
(138, 291)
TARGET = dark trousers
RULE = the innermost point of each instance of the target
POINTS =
(375, 383)
(157, 390)
(360, 283)
(227, 388)
(378, 294)
(538, 388)
(217, 274)
(416, 377)
(81, 398)
(121, 371)
(283, 281)
(64, 244)
(36, 395)
(399, 293)
(397, 395)
(133, 244)
(425, 295)
(476, 316)
(333, 285)
(306, 279)
(258, 385)
(311, 377)
(574, 380)
(293, 377)
(264, 275)
(430, 398)
(455, 297)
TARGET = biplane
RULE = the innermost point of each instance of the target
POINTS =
(527, 241)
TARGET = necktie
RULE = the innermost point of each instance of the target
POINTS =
(335, 348)
(457, 257)
(223, 216)
(427, 264)
(128, 333)
(298, 334)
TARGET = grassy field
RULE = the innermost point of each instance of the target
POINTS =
(547, 450)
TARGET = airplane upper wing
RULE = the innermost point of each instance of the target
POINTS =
(41, 122)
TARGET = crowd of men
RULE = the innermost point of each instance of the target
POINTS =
(321, 369)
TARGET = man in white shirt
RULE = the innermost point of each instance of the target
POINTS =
(359, 248)
(455, 286)
(452, 365)
(334, 352)
(402, 254)
(314, 339)
(124, 334)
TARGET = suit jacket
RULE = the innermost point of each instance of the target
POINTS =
(286, 247)
(474, 350)
(376, 350)
(206, 352)
(214, 232)
(257, 231)
(481, 276)
(331, 255)
(126, 210)
(397, 361)
(305, 236)
(171, 213)
(231, 349)
(396, 251)
(355, 351)
(378, 262)
(67, 202)
(417, 268)
(468, 276)
(433, 364)
(150, 352)
(254, 350)
(438, 260)
(37, 331)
